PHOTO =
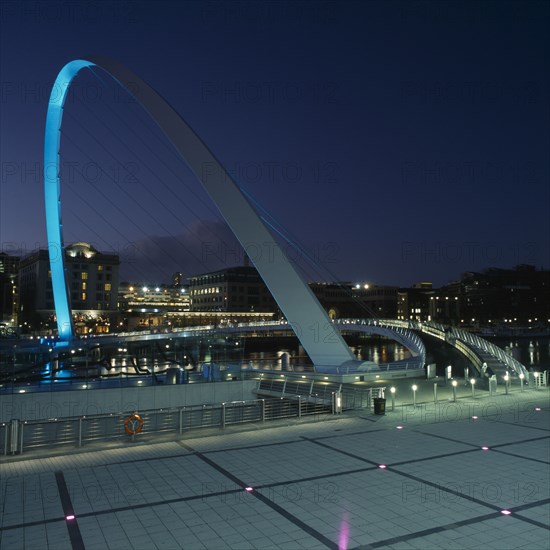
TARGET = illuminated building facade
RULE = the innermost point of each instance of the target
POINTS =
(92, 281)
(9, 267)
(234, 289)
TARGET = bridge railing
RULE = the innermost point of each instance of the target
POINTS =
(316, 392)
(399, 333)
(19, 436)
(464, 341)
(474, 358)
(511, 362)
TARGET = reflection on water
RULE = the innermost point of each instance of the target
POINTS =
(381, 351)
(378, 351)
(160, 361)
(283, 359)
(533, 353)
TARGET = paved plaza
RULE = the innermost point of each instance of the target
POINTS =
(429, 476)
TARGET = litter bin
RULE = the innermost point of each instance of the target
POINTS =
(379, 405)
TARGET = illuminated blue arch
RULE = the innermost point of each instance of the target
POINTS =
(316, 332)
(52, 195)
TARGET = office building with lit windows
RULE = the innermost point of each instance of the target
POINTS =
(92, 280)
(234, 289)
(9, 267)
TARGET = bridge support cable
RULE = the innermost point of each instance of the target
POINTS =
(294, 297)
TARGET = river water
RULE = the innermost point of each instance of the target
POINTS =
(533, 353)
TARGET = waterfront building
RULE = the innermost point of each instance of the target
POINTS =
(345, 299)
(233, 289)
(495, 296)
(413, 304)
(242, 289)
(144, 305)
(92, 280)
(9, 268)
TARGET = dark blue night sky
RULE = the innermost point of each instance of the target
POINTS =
(400, 141)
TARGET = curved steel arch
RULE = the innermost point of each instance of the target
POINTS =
(323, 343)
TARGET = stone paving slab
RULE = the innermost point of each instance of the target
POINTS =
(311, 485)
(137, 483)
(496, 534)
(368, 505)
(498, 480)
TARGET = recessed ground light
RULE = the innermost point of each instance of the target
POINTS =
(537, 408)
(505, 512)
(248, 489)
(484, 448)
(70, 517)
(474, 417)
(382, 466)
(399, 427)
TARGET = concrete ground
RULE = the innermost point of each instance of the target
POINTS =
(474, 473)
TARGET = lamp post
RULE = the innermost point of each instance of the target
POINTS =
(473, 382)
(392, 391)
(454, 390)
(414, 388)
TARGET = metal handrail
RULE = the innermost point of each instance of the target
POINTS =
(18, 436)
(472, 341)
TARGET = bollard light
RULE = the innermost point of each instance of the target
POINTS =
(392, 391)
(536, 375)
(506, 379)
(454, 390)
(473, 382)
(521, 377)
(414, 388)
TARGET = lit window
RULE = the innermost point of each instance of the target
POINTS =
(100, 268)
(107, 286)
(83, 276)
(83, 296)
(84, 285)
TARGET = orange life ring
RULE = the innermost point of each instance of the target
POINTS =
(133, 424)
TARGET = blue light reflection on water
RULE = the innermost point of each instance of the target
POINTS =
(75, 373)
